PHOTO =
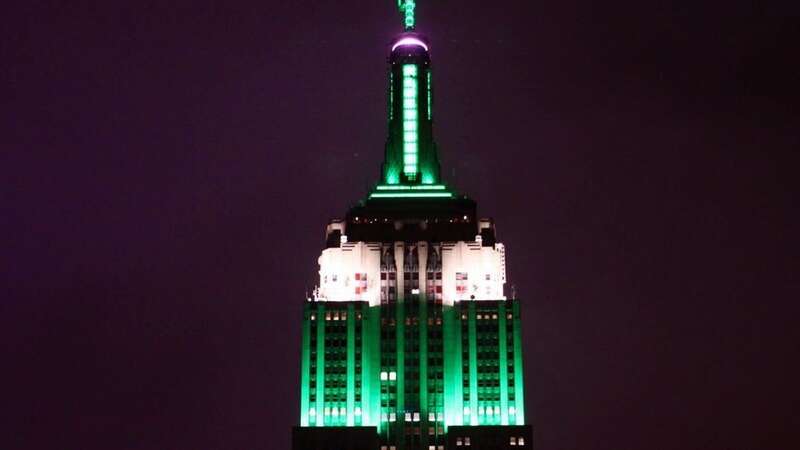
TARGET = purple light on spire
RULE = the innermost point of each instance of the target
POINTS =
(409, 41)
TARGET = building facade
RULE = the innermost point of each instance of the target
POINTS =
(409, 333)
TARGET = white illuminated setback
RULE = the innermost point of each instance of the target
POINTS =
(468, 271)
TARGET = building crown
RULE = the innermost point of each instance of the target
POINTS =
(411, 165)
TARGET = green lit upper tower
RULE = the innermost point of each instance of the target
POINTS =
(410, 160)
(409, 341)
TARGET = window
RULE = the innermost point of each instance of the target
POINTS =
(461, 282)
(392, 417)
(431, 417)
(408, 417)
(416, 417)
(513, 440)
(392, 376)
(466, 441)
(459, 442)
(521, 440)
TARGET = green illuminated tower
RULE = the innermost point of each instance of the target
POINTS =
(409, 341)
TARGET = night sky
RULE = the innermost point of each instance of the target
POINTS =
(168, 169)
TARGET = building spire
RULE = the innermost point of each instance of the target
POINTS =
(411, 165)
(407, 10)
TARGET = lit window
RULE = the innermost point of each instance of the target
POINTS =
(392, 447)
(431, 447)
(383, 447)
(357, 411)
(521, 440)
(440, 415)
(416, 417)
(312, 412)
(479, 316)
(489, 410)
(342, 411)
(327, 411)
(384, 376)
(481, 411)
(392, 417)
(512, 410)
(459, 442)
(513, 440)
(408, 417)
(466, 441)
(313, 317)
(440, 447)
(494, 316)
(327, 315)
(466, 410)
(392, 376)
(497, 410)
(431, 417)
(335, 411)
(384, 417)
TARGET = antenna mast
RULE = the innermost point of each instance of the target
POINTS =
(407, 10)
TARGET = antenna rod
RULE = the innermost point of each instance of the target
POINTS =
(407, 10)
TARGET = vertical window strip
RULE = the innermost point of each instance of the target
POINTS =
(430, 116)
(410, 121)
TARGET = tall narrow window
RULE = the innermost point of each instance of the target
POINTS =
(410, 121)
(391, 95)
(430, 116)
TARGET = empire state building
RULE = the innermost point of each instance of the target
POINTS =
(410, 341)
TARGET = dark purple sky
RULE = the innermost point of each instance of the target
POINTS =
(167, 172)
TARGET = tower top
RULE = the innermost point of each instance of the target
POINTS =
(406, 8)
(411, 166)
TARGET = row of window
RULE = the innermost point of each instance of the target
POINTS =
(486, 316)
(465, 441)
(489, 411)
(335, 315)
